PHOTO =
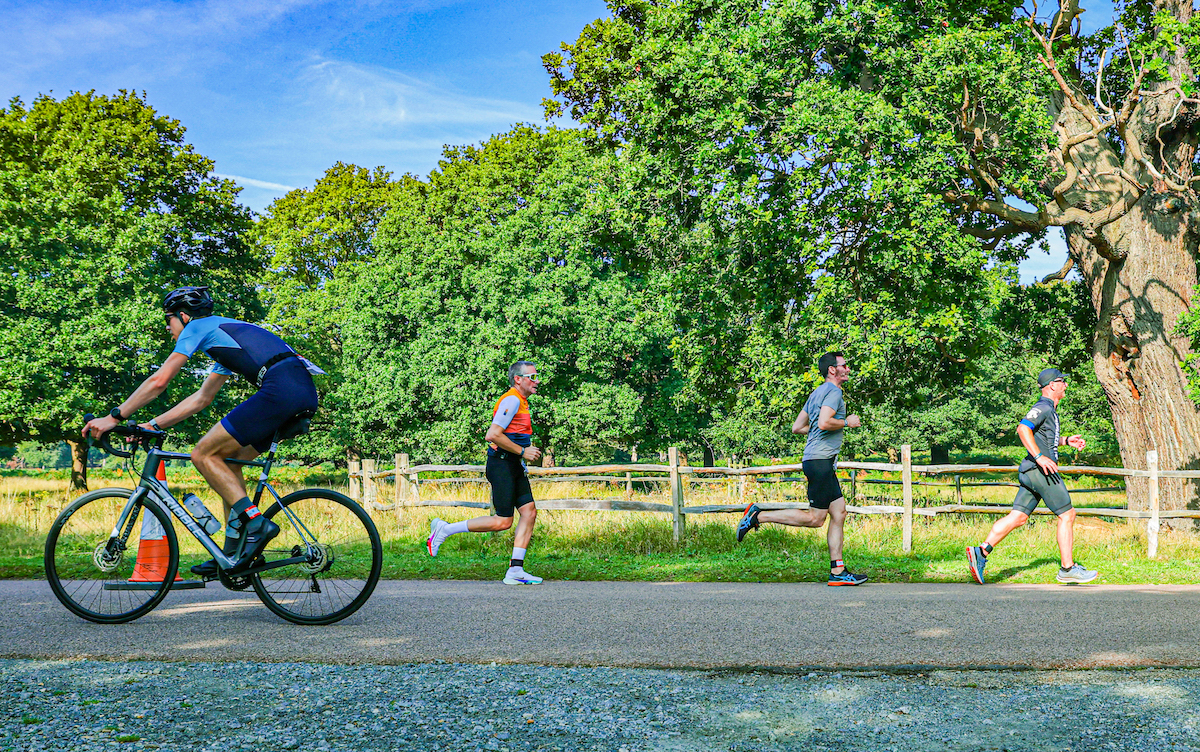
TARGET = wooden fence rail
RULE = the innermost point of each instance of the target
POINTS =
(364, 487)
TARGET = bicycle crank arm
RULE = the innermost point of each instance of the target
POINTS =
(273, 565)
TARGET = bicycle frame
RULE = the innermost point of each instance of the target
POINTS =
(155, 491)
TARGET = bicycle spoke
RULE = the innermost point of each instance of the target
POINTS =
(344, 563)
(92, 582)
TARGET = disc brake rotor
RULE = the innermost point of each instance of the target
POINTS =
(105, 560)
(320, 558)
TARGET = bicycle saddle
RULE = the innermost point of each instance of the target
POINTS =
(297, 425)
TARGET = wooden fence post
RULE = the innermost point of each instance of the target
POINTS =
(629, 476)
(370, 486)
(1152, 523)
(958, 488)
(906, 476)
(853, 488)
(402, 479)
(741, 481)
(352, 471)
(677, 519)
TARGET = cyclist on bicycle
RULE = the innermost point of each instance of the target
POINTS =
(285, 389)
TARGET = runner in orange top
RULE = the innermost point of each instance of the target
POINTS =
(510, 443)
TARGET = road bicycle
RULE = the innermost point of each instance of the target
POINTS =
(321, 568)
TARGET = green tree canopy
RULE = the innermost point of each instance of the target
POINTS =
(507, 252)
(315, 239)
(103, 208)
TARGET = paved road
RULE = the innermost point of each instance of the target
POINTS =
(701, 625)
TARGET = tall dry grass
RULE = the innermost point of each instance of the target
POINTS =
(640, 546)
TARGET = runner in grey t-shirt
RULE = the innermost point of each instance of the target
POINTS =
(822, 420)
(1040, 482)
(822, 444)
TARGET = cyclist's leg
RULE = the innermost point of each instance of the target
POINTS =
(209, 457)
(212, 451)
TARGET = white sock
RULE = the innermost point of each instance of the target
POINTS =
(455, 527)
(518, 553)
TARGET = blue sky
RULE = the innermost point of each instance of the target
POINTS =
(276, 92)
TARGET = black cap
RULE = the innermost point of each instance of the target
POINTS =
(1050, 375)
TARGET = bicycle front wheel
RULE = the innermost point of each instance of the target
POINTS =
(343, 558)
(109, 579)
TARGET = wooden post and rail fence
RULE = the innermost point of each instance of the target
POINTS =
(364, 487)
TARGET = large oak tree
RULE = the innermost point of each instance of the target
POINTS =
(831, 137)
(104, 207)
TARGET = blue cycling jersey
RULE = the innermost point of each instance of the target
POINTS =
(237, 347)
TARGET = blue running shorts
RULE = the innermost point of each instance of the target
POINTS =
(286, 390)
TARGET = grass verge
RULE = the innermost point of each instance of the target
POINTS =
(635, 546)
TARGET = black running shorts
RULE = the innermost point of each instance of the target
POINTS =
(1037, 486)
(510, 485)
(823, 485)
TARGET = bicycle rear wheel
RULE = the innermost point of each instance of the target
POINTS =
(343, 558)
(105, 579)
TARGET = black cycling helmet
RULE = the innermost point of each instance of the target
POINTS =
(194, 301)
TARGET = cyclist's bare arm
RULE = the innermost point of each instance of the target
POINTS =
(192, 404)
(153, 386)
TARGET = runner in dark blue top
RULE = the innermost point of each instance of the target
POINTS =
(285, 389)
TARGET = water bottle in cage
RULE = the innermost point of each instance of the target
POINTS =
(196, 508)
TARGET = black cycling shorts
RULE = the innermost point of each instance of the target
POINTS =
(287, 389)
(510, 485)
(1036, 487)
(823, 485)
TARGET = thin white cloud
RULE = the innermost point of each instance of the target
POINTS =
(71, 29)
(254, 183)
(372, 97)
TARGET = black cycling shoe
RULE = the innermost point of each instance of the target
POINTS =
(209, 568)
(256, 534)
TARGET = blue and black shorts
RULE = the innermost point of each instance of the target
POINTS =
(1036, 487)
(287, 389)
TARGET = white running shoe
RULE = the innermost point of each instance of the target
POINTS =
(437, 535)
(1076, 575)
(518, 576)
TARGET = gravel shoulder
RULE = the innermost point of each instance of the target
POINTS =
(88, 706)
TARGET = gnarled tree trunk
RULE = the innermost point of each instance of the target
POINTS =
(1136, 249)
(1136, 353)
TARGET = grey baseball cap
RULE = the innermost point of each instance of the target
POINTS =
(1049, 375)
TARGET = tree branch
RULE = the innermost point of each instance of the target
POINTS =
(1047, 57)
(1061, 273)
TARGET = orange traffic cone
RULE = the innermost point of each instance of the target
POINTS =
(153, 554)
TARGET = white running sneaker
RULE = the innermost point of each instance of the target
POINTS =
(518, 576)
(437, 535)
(1076, 575)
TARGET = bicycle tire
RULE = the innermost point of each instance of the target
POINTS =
(92, 582)
(314, 593)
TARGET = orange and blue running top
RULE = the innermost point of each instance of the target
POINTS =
(511, 413)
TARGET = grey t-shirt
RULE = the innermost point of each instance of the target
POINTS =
(823, 445)
(1042, 419)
